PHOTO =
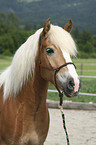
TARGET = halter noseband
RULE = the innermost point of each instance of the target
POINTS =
(55, 72)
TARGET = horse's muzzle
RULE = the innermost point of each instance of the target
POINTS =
(72, 87)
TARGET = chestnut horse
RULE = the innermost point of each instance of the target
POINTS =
(24, 118)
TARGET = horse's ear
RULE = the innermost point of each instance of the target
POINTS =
(46, 27)
(68, 26)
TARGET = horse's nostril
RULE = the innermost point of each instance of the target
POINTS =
(71, 82)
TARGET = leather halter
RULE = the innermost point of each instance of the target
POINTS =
(55, 71)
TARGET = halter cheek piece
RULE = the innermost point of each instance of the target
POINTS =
(55, 72)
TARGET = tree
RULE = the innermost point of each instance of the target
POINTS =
(2, 18)
(85, 36)
(88, 47)
(6, 42)
(13, 19)
(94, 41)
(28, 27)
(2, 23)
(76, 33)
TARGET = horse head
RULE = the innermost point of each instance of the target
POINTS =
(56, 48)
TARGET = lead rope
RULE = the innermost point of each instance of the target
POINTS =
(63, 116)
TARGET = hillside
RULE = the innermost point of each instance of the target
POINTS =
(35, 12)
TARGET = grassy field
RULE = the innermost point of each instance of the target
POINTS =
(88, 85)
(88, 66)
(5, 61)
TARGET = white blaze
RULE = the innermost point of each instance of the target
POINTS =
(72, 70)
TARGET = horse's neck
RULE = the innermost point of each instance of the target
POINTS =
(40, 88)
(35, 91)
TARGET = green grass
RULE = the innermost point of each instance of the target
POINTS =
(88, 85)
(5, 61)
(89, 66)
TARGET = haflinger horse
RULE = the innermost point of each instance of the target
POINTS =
(24, 117)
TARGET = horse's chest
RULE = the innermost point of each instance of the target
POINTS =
(31, 138)
(35, 132)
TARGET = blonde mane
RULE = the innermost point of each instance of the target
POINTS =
(23, 64)
(62, 39)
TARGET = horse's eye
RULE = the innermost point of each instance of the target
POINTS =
(49, 51)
